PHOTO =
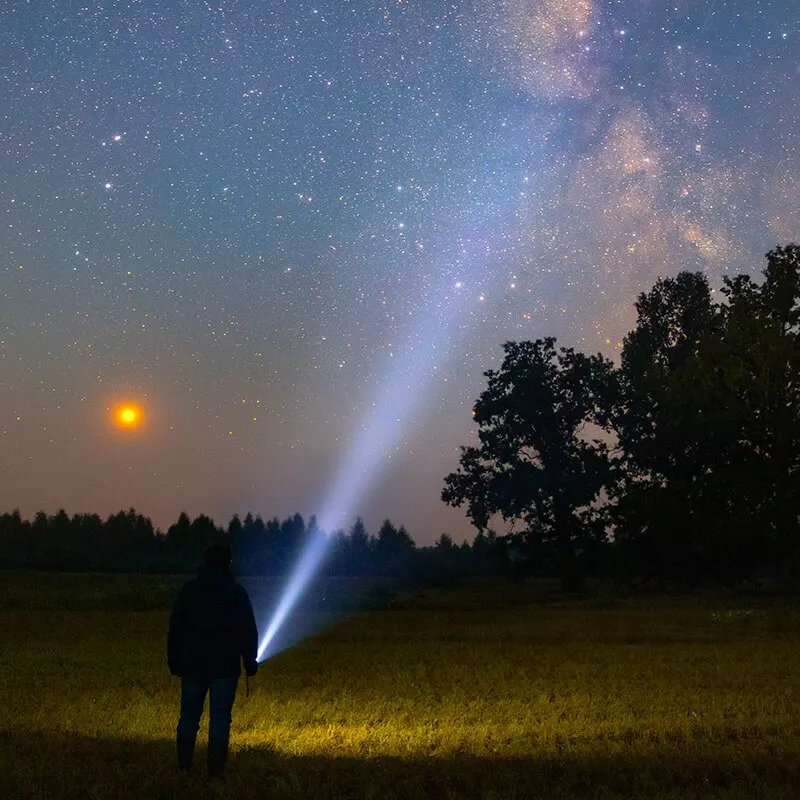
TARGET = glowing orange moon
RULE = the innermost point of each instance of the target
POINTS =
(128, 416)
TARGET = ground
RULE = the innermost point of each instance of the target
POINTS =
(493, 691)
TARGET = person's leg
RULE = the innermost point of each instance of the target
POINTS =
(193, 696)
(222, 693)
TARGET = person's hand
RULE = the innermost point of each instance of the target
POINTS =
(251, 669)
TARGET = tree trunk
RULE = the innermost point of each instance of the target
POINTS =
(571, 579)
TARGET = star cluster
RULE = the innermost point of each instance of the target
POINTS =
(266, 222)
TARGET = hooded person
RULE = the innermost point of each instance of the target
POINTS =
(212, 631)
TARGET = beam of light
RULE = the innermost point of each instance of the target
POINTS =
(364, 461)
(301, 575)
(433, 334)
(403, 392)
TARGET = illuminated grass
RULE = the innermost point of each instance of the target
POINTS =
(672, 699)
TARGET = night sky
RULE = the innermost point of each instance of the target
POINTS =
(296, 233)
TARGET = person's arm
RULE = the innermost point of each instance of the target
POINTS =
(248, 634)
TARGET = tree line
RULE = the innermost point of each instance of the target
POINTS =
(129, 542)
(679, 464)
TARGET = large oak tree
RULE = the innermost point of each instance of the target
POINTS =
(537, 465)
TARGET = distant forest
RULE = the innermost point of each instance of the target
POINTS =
(128, 542)
(678, 465)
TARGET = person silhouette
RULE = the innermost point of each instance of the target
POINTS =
(212, 630)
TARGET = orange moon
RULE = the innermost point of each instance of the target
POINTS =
(128, 416)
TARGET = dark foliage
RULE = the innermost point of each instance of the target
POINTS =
(698, 477)
(536, 464)
(128, 542)
(710, 432)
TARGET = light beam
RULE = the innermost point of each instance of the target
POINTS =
(301, 575)
(433, 334)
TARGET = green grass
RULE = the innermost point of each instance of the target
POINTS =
(451, 694)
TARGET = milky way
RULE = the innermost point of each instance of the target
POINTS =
(296, 233)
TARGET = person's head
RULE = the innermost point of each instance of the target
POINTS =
(218, 556)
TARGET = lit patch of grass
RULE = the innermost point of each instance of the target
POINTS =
(664, 699)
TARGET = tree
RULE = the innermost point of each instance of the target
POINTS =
(269, 559)
(671, 320)
(711, 428)
(15, 540)
(182, 544)
(656, 526)
(744, 383)
(535, 464)
(291, 537)
(359, 549)
(444, 544)
(393, 548)
(761, 376)
(249, 541)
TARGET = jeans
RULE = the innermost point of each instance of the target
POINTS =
(221, 694)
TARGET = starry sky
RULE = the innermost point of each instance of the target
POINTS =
(296, 233)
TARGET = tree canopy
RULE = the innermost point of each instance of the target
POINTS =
(536, 464)
(693, 471)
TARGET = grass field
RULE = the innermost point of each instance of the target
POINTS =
(490, 692)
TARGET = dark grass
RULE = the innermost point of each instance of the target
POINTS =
(36, 765)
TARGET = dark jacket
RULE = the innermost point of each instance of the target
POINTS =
(212, 628)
